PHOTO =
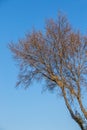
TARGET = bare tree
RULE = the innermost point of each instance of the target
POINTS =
(59, 56)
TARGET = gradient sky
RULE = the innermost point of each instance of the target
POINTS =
(30, 109)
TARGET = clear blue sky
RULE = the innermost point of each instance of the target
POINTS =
(31, 110)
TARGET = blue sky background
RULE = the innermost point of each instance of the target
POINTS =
(29, 109)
